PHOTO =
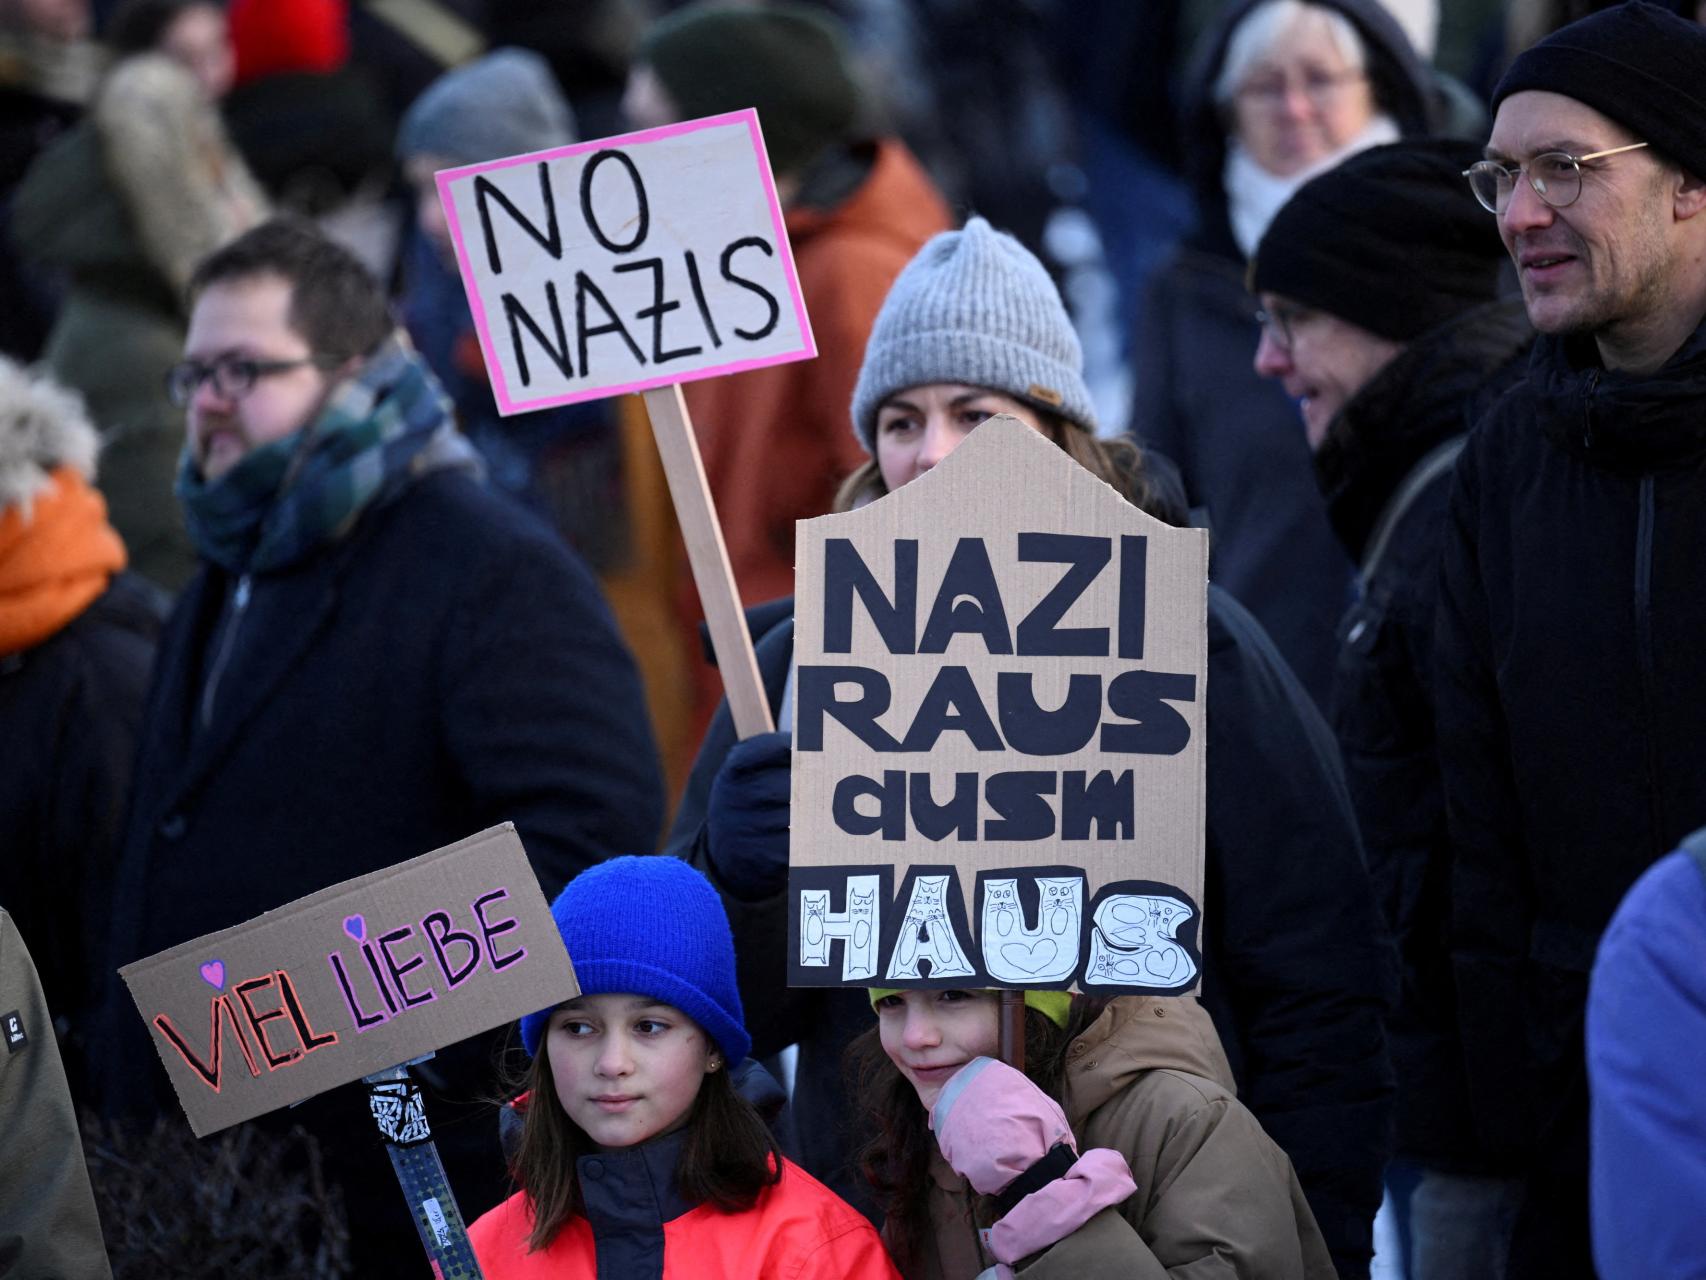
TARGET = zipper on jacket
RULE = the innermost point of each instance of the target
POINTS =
(1587, 409)
(239, 603)
(1645, 661)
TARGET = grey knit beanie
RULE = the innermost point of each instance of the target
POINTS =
(974, 307)
(504, 104)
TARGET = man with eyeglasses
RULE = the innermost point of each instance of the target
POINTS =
(1569, 683)
(1388, 367)
(377, 657)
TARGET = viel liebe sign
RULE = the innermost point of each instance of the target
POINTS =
(627, 263)
(998, 775)
(352, 979)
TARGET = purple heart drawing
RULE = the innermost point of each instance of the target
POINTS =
(213, 973)
(356, 927)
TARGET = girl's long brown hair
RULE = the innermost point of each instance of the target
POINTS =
(727, 1160)
(895, 1157)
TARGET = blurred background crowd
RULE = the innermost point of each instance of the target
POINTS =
(1131, 145)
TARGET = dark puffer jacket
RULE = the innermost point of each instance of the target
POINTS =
(70, 713)
(1297, 967)
(1237, 439)
(1385, 469)
(1572, 606)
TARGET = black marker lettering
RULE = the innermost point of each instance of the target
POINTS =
(644, 216)
(584, 287)
(551, 239)
(752, 242)
(658, 310)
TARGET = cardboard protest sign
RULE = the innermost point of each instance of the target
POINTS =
(998, 781)
(353, 979)
(627, 263)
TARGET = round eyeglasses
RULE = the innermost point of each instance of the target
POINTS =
(1556, 177)
(1277, 322)
(231, 378)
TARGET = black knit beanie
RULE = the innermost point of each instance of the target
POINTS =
(1391, 240)
(1634, 63)
(787, 60)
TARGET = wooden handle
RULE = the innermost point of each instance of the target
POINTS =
(709, 559)
(1012, 1043)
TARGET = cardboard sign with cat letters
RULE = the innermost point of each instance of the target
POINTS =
(1000, 698)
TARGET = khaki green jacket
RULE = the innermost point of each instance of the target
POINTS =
(1216, 1199)
(48, 1227)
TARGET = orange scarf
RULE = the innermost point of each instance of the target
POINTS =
(54, 564)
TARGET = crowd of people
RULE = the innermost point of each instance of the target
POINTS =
(284, 600)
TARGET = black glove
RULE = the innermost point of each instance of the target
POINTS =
(746, 821)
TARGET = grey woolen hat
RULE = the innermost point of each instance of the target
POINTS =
(974, 307)
(503, 104)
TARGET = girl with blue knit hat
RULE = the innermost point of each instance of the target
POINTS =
(1121, 1148)
(637, 1158)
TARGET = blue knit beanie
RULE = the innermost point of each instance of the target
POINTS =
(651, 926)
(974, 307)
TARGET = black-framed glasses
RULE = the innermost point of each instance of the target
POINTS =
(1556, 177)
(232, 377)
(1278, 322)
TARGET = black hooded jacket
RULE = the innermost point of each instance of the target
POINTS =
(1385, 469)
(1570, 692)
(1236, 437)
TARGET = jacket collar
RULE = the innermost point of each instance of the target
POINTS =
(1136, 1034)
(633, 1190)
(1622, 422)
(1433, 390)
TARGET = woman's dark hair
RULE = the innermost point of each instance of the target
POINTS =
(335, 303)
(895, 1156)
(727, 1160)
(138, 26)
(1117, 462)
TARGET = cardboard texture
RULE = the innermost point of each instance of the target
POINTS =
(356, 978)
(627, 263)
(1001, 677)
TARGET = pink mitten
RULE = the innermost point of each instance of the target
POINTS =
(995, 1127)
(992, 1124)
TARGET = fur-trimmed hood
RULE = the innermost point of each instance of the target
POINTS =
(42, 426)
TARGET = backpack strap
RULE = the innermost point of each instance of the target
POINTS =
(1435, 463)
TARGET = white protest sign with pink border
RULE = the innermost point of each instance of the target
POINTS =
(627, 263)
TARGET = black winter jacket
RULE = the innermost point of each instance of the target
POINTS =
(70, 711)
(1570, 683)
(1237, 439)
(445, 666)
(1297, 968)
(1385, 469)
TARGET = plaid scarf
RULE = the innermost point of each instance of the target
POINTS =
(379, 432)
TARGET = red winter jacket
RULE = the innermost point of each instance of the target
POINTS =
(637, 1227)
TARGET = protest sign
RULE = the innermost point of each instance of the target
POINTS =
(636, 263)
(353, 979)
(998, 773)
(626, 263)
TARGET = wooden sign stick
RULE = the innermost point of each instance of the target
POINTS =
(709, 559)
(1012, 1043)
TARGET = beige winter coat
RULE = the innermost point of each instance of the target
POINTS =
(1215, 1197)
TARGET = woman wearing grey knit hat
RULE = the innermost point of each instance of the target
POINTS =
(973, 326)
